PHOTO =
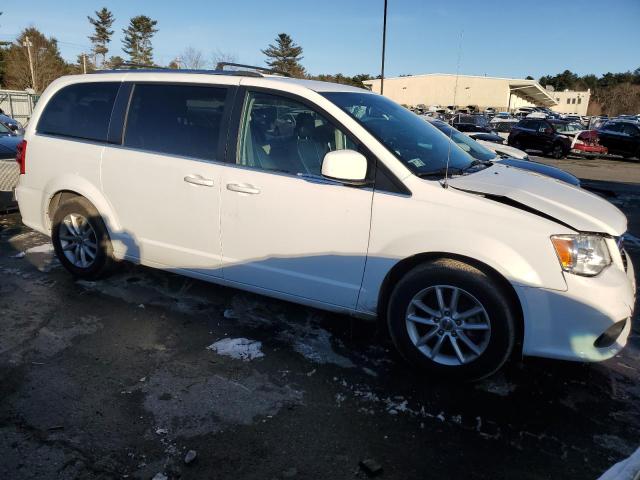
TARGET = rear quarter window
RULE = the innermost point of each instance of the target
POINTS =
(80, 111)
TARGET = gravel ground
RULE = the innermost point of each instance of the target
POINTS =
(121, 378)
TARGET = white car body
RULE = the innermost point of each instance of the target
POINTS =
(507, 150)
(328, 245)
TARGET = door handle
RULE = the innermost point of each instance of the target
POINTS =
(243, 188)
(198, 180)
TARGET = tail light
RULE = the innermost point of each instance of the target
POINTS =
(21, 156)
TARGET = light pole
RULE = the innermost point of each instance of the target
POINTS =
(27, 43)
(384, 45)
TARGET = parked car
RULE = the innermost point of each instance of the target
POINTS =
(483, 150)
(9, 141)
(540, 134)
(584, 143)
(495, 143)
(365, 209)
(503, 126)
(470, 123)
(9, 172)
(12, 123)
(621, 138)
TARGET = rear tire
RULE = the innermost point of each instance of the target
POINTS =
(81, 240)
(444, 336)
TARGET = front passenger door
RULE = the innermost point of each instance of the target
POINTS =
(285, 228)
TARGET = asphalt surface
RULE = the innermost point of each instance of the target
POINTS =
(119, 378)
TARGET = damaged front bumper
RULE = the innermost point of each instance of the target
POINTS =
(590, 321)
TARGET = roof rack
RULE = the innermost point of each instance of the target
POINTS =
(139, 67)
(220, 67)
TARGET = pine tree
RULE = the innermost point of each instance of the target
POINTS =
(137, 39)
(114, 62)
(102, 36)
(285, 56)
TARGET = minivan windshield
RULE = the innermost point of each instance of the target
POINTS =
(417, 143)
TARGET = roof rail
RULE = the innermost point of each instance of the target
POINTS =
(132, 65)
(154, 69)
(220, 67)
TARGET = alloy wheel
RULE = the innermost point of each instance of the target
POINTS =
(448, 325)
(78, 240)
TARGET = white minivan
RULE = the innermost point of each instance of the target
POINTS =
(329, 196)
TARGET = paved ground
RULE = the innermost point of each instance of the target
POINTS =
(116, 378)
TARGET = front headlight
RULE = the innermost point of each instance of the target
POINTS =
(582, 254)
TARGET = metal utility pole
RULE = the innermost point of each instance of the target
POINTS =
(27, 43)
(384, 46)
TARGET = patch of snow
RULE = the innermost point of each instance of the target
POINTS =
(627, 469)
(18, 255)
(314, 344)
(497, 385)
(44, 248)
(239, 348)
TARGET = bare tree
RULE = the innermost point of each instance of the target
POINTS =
(219, 56)
(192, 58)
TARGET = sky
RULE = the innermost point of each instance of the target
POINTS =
(489, 37)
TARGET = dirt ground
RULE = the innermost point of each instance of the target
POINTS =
(121, 378)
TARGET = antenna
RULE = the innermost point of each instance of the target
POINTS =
(445, 184)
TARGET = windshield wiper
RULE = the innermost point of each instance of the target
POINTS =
(477, 163)
(440, 172)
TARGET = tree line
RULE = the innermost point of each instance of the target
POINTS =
(33, 60)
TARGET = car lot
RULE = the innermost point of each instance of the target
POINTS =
(124, 376)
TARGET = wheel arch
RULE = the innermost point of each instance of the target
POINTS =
(400, 269)
(70, 186)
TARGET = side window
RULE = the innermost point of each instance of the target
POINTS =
(630, 130)
(81, 111)
(284, 135)
(175, 119)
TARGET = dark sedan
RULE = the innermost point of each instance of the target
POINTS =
(471, 123)
(621, 137)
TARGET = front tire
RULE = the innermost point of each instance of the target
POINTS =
(80, 239)
(558, 151)
(451, 320)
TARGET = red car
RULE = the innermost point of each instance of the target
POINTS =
(587, 144)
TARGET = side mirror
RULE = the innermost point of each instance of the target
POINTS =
(347, 166)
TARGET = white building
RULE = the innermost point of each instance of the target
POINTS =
(570, 101)
(503, 94)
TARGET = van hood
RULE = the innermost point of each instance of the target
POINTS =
(572, 206)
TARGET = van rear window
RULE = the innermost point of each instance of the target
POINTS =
(81, 111)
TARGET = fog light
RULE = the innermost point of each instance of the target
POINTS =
(610, 335)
